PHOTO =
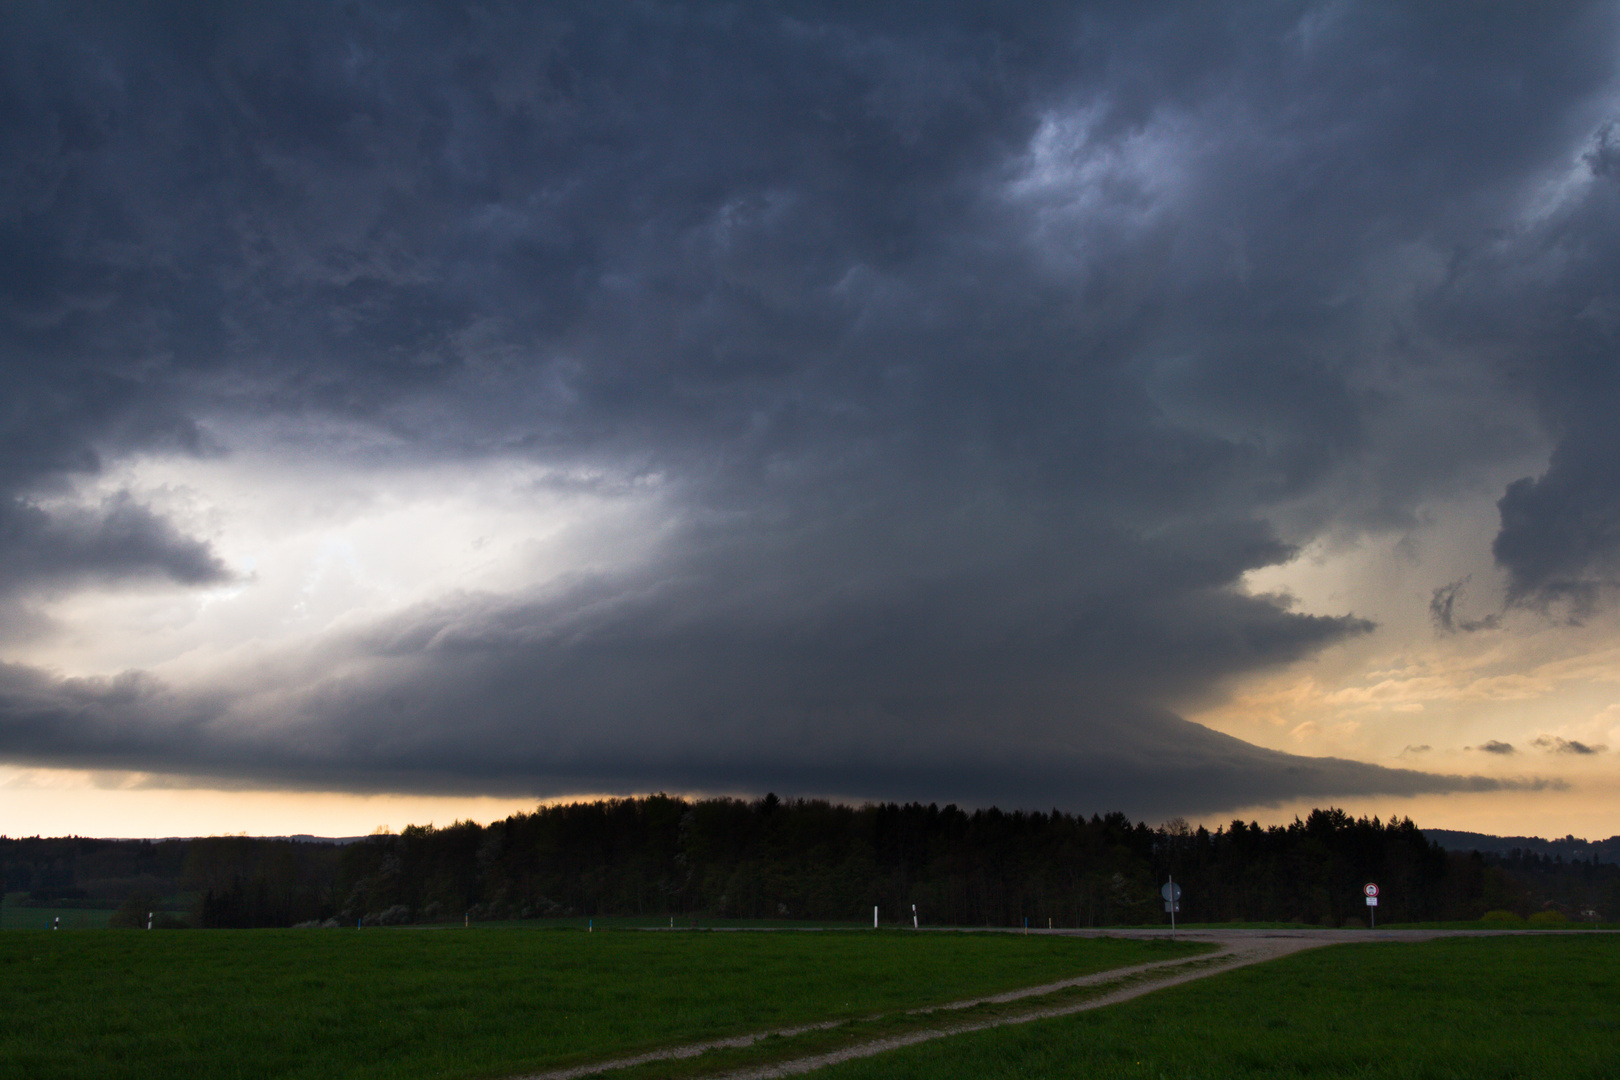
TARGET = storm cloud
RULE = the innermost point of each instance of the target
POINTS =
(959, 364)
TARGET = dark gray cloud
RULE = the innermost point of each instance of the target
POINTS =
(116, 542)
(1557, 745)
(1604, 156)
(1560, 537)
(119, 539)
(1560, 534)
(982, 353)
(381, 735)
(1495, 746)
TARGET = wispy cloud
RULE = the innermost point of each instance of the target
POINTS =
(1442, 612)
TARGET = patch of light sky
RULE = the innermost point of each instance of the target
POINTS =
(1585, 809)
(1074, 181)
(1566, 183)
(316, 549)
(64, 802)
(1407, 695)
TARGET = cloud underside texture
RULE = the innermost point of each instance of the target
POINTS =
(1144, 762)
(973, 360)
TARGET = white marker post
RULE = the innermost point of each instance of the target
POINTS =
(1172, 901)
(149, 920)
(1370, 891)
(914, 916)
(874, 916)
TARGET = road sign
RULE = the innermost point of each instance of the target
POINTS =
(1171, 893)
(1372, 901)
(1370, 889)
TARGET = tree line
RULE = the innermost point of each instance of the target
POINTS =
(811, 859)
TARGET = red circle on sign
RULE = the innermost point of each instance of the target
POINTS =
(1370, 889)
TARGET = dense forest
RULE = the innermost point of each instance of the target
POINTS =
(810, 859)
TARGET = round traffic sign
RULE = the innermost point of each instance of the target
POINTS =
(1171, 891)
(1370, 889)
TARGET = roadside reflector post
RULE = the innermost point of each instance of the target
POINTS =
(914, 916)
(149, 920)
(874, 916)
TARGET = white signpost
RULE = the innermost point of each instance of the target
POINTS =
(1172, 901)
(1370, 891)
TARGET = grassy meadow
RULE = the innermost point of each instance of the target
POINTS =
(483, 1002)
(497, 1002)
(1541, 1007)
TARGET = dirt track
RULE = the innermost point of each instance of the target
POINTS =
(1237, 948)
(1237, 951)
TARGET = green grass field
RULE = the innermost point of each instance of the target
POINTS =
(448, 1003)
(498, 1002)
(1538, 1008)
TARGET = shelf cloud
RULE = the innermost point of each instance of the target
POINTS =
(883, 402)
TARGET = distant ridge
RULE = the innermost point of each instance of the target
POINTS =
(1570, 848)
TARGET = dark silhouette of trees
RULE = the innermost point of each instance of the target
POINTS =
(775, 858)
(243, 882)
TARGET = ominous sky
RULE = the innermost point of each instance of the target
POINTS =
(1177, 409)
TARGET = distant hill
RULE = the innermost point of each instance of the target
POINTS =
(1570, 849)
